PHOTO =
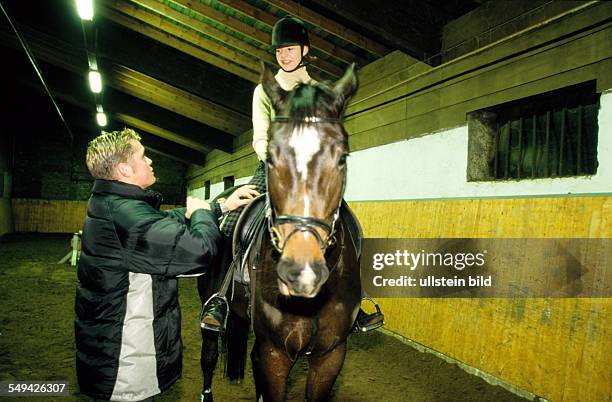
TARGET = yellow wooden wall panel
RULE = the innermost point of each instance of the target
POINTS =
(51, 216)
(560, 349)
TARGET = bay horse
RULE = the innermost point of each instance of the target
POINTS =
(305, 288)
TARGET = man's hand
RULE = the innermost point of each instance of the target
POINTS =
(242, 196)
(193, 204)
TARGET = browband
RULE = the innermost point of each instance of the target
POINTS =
(308, 119)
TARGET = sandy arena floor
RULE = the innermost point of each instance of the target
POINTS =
(37, 342)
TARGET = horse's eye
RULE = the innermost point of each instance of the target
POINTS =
(342, 160)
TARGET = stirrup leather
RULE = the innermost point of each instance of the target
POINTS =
(376, 320)
(203, 325)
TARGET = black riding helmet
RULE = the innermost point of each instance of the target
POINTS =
(290, 31)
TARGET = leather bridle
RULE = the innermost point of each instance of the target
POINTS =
(301, 223)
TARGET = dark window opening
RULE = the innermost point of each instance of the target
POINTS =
(207, 189)
(228, 182)
(548, 135)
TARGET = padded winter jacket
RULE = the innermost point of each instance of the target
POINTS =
(128, 321)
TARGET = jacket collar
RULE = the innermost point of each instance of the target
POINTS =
(126, 190)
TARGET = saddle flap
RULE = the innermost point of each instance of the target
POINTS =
(353, 226)
(250, 220)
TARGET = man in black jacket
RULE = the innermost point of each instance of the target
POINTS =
(128, 321)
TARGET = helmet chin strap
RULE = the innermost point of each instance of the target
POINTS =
(300, 64)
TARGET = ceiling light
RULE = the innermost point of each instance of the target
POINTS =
(101, 119)
(95, 82)
(85, 9)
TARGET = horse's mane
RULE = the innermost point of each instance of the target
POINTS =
(308, 100)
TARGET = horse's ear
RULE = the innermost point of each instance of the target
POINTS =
(346, 87)
(275, 93)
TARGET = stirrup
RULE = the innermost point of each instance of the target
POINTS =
(375, 320)
(205, 326)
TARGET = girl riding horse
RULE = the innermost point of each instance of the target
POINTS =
(291, 44)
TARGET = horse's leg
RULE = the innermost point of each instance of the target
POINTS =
(271, 367)
(208, 362)
(207, 285)
(322, 373)
(210, 342)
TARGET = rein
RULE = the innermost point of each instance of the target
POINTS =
(302, 223)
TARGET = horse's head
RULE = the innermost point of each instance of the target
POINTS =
(306, 177)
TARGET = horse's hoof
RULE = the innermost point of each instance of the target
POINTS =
(206, 397)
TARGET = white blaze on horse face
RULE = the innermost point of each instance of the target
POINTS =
(305, 142)
(306, 208)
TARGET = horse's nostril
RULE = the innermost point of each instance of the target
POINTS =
(288, 271)
(293, 276)
(302, 279)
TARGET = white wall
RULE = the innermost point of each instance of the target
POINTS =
(216, 188)
(435, 166)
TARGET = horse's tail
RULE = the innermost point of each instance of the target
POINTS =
(235, 347)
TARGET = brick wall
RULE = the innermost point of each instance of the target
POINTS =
(47, 167)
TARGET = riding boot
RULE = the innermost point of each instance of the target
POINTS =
(367, 322)
(213, 316)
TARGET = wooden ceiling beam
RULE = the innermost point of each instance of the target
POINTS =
(409, 42)
(225, 20)
(159, 132)
(209, 137)
(163, 150)
(142, 87)
(331, 26)
(159, 22)
(80, 117)
(269, 20)
(67, 81)
(179, 44)
(78, 102)
(168, 12)
(223, 37)
(177, 100)
(59, 54)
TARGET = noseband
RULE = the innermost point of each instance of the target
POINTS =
(301, 223)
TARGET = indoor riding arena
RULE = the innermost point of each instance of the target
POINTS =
(476, 155)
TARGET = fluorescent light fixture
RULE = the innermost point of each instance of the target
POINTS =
(95, 82)
(91, 59)
(101, 119)
(85, 9)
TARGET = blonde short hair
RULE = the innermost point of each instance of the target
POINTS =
(106, 151)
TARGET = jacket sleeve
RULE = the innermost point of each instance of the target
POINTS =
(177, 213)
(163, 243)
(262, 115)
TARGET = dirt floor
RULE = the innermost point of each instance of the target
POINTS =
(37, 342)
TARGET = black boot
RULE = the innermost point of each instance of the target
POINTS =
(367, 322)
(213, 316)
